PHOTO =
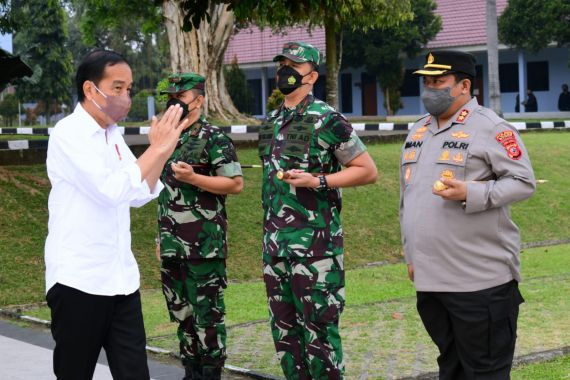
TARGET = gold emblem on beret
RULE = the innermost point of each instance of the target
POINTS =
(430, 58)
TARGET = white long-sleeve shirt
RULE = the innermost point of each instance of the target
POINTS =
(95, 181)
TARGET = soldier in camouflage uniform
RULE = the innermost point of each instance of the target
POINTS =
(192, 227)
(303, 145)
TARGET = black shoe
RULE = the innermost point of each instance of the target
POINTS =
(193, 372)
(211, 373)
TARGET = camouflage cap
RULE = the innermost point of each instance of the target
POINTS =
(300, 52)
(180, 82)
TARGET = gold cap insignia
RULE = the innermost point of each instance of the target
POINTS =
(430, 58)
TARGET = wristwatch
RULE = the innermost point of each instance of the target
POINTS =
(323, 185)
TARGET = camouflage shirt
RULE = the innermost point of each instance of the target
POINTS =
(304, 222)
(192, 222)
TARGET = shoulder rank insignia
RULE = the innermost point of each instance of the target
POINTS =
(462, 115)
(509, 142)
(460, 135)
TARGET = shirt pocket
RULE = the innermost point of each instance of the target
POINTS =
(410, 157)
(265, 139)
(296, 143)
(452, 158)
(193, 152)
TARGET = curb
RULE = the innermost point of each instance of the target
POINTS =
(155, 350)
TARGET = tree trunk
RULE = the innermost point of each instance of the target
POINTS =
(493, 58)
(202, 51)
(333, 38)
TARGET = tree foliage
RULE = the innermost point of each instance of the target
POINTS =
(41, 43)
(131, 28)
(533, 24)
(332, 14)
(382, 51)
(238, 88)
(9, 108)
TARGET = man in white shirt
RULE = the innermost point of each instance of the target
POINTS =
(92, 278)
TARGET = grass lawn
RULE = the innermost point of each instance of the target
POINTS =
(370, 218)
(383, 336)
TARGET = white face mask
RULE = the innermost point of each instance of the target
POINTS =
(117, 107)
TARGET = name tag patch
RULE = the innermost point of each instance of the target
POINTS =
(455, 145)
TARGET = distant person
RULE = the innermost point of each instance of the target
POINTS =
(92, 278)
(530, 104)
(192, 222)
(564, 99)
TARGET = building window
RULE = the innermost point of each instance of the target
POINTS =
(270, 86)
(509, 77)
(346, 92)
(410, 85)
(537, 76)
(255, 88)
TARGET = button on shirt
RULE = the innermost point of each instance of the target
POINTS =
(456, 247)
(95, 181)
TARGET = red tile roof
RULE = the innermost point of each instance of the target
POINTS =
(253, 45)
(464, 22)
(463, 25)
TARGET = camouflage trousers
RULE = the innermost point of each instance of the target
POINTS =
(306, 298)
(194, 292)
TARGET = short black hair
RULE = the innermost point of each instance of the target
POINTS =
(198, 91)
(460, 76)
(92, 68)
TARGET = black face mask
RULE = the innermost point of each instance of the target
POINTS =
(289, 79)
(184, 106)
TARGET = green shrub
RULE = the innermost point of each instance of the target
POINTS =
(275, 100)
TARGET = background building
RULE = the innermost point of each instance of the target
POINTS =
(463, 28)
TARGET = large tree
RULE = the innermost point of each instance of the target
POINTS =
(533, 25)
(41, 43)
(198, 33)
(382, 51)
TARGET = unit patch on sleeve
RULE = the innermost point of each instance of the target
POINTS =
(509, 142)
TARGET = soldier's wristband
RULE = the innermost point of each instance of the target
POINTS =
(323, 185)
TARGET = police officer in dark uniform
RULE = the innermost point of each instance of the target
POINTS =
(461, 168)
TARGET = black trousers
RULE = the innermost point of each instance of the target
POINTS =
(82, 323)
(474, 331)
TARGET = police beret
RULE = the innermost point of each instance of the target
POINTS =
(447, 62)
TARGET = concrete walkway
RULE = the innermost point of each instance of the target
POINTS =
(26, 354)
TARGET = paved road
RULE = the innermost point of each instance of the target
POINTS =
(26, 353)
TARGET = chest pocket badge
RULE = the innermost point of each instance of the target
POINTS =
(297, 140)
(193, 151)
